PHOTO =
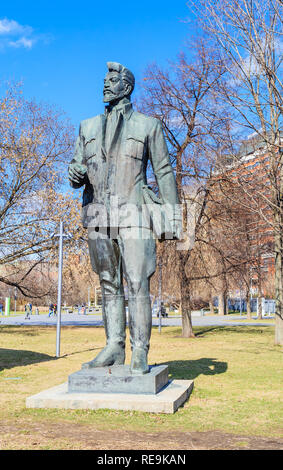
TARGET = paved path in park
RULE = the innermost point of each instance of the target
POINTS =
(72, 319)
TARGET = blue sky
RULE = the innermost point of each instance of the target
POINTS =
(60, 49)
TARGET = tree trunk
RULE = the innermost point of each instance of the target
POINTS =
(278, 289)
(222, 304)
(259, 299)
(260, 306)
(249, 312)
(187, 328)
(211, 306)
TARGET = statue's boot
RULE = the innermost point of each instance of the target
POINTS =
(139, 363)
(114, 318)
(140, 322)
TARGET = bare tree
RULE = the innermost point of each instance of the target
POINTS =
(35, 144)
(184, 98)
(240, 239)
(249, 37)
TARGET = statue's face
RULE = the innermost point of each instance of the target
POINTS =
(114, 87)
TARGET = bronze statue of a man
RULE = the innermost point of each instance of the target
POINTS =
(110, 160)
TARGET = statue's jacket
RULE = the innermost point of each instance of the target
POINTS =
(116, 181)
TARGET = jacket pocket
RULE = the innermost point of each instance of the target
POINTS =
(90, 148)
(134, 147)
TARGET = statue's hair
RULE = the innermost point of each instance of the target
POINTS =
(127, 75)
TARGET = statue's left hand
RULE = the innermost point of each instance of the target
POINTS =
(77, 172)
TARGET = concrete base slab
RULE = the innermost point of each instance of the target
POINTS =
(118, 379)
(168, 400)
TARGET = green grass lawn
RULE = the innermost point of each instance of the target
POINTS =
(238, 375)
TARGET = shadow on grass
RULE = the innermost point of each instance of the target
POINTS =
(20, 329)
(10, 358)
(79, 352)
(202, 331)
(189, 370)
(246, 329)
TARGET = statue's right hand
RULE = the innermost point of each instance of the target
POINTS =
(77, 172)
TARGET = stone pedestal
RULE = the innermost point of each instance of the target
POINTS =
(117, 389)
(168, 400)
(118, 379)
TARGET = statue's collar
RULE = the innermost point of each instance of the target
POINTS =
(124, 106)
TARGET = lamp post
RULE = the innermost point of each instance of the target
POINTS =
(160, 295)
(59, 296)
(59, 235)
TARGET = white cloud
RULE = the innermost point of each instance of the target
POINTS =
(22, 42)
(12, 27)
(13, 34)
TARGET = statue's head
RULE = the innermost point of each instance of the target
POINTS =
(118, 83)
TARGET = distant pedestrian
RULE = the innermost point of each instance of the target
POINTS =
(27, 310)
(36, 311)
(55, 310)
(51, 310)
(1, 308)
(30, 308)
